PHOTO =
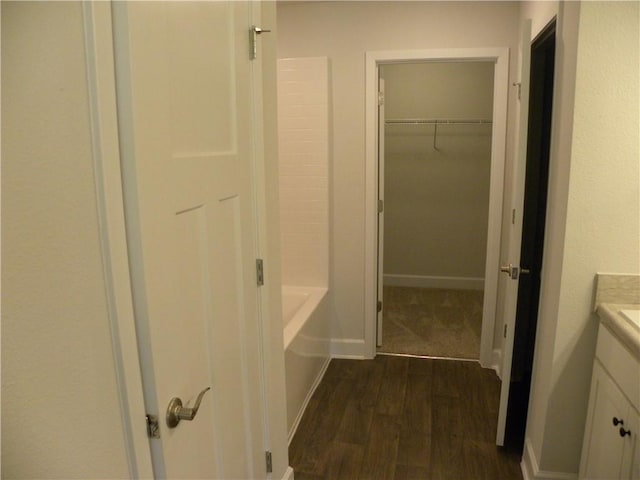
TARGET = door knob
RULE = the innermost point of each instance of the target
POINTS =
(176, 412)
(514, 271)
(511, 270)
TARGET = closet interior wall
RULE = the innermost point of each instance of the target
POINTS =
(436, 195)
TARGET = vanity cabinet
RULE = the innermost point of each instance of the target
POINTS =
(611, 449)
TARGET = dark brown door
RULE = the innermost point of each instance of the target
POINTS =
(534, 215)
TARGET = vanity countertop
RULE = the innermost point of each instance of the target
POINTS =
(623, 327)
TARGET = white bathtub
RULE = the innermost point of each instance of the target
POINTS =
(306, 342)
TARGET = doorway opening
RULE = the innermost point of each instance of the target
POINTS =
(375, 61)
(434, 176)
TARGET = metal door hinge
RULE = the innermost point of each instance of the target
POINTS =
(379, 306)
(380, 98)
(153, 427)
(259, 272)
(519, 85)
(504, 334)
(380, 206)
(513, 216)
(254, 31)
(269, 461)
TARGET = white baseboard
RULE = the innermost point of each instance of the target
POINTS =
(347, 348)
(288, 474)
(496, 362)
(531, 471)
(424, 281)
(303, 407)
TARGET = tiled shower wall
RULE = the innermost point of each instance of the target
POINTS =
(303, 141)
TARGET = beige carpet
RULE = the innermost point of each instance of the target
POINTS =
(432, 322)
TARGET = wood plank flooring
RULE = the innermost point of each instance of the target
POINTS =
(402, 418)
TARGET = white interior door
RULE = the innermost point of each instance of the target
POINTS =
(517, 202)
(380, 210)
(184, 112)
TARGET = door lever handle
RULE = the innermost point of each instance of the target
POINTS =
(176, 412)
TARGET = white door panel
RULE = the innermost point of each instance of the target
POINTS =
(517, 202)
(185, 116)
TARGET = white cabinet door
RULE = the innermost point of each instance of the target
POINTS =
(632, 445)
(606, 454)
(184, 110)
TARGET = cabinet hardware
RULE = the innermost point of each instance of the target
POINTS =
(624, 432)
(617, 421)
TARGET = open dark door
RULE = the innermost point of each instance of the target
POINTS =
(534, 213)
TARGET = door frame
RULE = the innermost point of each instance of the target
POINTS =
(106, 142)
(99, 52)
(381, 178)
(373, 59)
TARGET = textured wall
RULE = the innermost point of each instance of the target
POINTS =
(437, 201)
(303, 145)
(60, 412)
(603, 212)
(593, 218)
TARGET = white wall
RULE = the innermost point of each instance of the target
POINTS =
(60, 407)
(594, 214)
(303, 145)
(437, 200)
(344, 31)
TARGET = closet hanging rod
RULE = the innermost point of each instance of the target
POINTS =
(436, 122)
(439, 121)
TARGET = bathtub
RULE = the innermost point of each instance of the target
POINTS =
(306, 343)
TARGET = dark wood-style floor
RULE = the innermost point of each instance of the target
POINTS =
(402, 418)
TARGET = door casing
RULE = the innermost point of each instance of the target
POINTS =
(500, 57)
(110, 201)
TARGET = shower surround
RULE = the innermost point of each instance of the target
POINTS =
(303, 143)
